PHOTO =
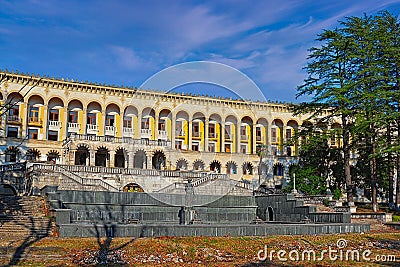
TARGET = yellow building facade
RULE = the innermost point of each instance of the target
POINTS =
(75, 123)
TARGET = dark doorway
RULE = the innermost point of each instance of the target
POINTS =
(158, 160)
(119, 159)
(81, 156)
(101, 157)
(139, 160)
(270, 214)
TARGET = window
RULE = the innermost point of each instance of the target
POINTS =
(127, 122)
(211, 147)
(288, 134)
(52, 136)
(12, 132)
(258, 133)
(14, 111)
(34, 114)
(273, 135)
(91, 118)
(228, 131)
(178, 144)
(145, 124)
(243, 149)
(178, 128)
(32, 133)
(53, 115)
(161, 125)
(228, 148)
(110, 120)
(243, 130)
(211, 131)
(12, 154)
(196, 129)
(73, 116)
(195, 146)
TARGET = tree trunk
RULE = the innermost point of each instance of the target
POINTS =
(374, 179)
(398, 182)
(391, 168)
(346, 158)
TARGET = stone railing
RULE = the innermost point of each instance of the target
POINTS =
(113, 139)
(73, 176)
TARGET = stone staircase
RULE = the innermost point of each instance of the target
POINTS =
(24, 217)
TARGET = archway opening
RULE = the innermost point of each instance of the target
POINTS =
(101, 157)
(82, 156)
(119, 158)
(215, 166)
(181, 164)
(158, 160)
(53, 156)
(270, 212)
(132, 188)
(140, 160)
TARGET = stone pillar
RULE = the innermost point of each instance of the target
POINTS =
(44, 122)
(156, 120)
(253, 139)
(130, 161)
(84, 121)
(206, 134)
(238, 138)
(139, 126)
(111, 161)
(222, 137)
(92, 157)
(190, 133)
(64, 125)
(173, 126)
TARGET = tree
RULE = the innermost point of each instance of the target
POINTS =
(331, 85)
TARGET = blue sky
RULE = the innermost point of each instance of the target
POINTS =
(126, 42)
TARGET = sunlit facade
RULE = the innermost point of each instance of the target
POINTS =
(75, 123)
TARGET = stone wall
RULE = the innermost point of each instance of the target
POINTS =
(286, 208)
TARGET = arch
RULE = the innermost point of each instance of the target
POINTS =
(198, 165)
(32, 155)
(12, 154)
(53, 156)
(215, 117)
(215, 166)
(120, 158)
(231, 167)
(140, 159)
(82, 155)
(94, 107)
(181, 164)
(158, 160)
(101, 156)
(278, 169)
(7, 190)
(55, 103)
(35, 100)
(231, 119)
(247, 168)
(75, 105)
(133, 188)
(247, 120)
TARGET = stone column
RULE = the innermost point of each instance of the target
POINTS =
(139, 126)
(222, 137)
(238, 137)
(156, 120)
(206, 130)
(111, 161)
(190, 133)
(44, 122)
(253, 139)
(173, 126)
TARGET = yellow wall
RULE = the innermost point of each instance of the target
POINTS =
(100, 123)
(168, 127)
(81, 121)
(118, 125)
(185, 125)
(218, 135)
(136, 127)
(249, 138)
(41, 119)
(61, 113)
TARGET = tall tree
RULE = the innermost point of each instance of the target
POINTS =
(330, 83)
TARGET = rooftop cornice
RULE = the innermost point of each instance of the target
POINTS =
(61, 83)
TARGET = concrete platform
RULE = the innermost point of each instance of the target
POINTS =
(157, 230)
